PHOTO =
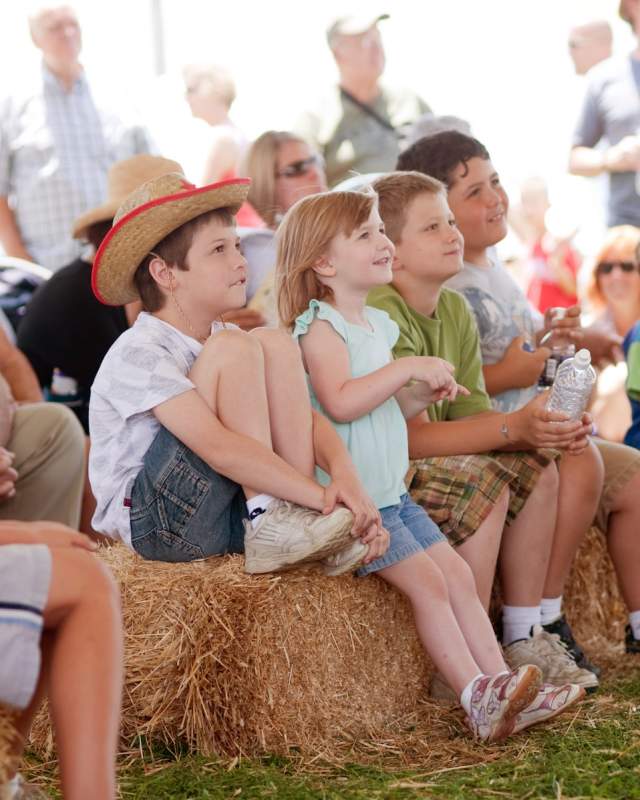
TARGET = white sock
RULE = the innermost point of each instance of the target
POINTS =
(11, 787)
(551, 608)
(634, 621)
(465, 697)
(517, 622)
(257, 506)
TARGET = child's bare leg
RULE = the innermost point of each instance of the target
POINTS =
(480, 551)
(468, 610)
(423, 583)
(84, 664)
(526, 544)
(623, 541)
(229, 375)
(288, 398)
(578, 497)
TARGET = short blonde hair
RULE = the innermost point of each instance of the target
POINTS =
(620, 244)
(260, 166)
(212, 77)
(304, 236)
(396, 191)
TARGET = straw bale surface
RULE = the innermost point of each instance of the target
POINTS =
(6, 735)
(231, 664)
(237, 664)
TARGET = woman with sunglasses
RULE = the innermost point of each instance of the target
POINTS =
(283, 168)
(614, 298)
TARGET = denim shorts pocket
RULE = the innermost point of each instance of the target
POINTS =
(162, 509)
(180, 492)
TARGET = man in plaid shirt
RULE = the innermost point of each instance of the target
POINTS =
(56, 146)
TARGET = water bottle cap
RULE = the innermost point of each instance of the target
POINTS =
(582, 358)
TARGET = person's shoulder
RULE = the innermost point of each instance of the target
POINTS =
(387, 299)
(610, 69)
(401, 98)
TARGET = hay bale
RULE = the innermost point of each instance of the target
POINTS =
(593, 603)
(231, 664)
(7, 734)
(235, 664)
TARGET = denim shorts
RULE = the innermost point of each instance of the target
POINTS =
(25, 575)
(181, 509)
(411, 531)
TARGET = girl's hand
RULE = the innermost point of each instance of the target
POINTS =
(426, 395)
(346, 488)
(378, 544)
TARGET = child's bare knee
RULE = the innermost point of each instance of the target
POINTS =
(548, 482)
(275, 340)
(231, 343)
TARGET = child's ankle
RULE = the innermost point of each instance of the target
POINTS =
(256, 507)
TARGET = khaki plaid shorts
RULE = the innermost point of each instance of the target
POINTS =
(459, 492)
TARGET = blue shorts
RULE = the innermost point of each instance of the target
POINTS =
(181, 509)
(411, 531)
(25, 575)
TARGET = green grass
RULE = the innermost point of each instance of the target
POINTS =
(594, 755)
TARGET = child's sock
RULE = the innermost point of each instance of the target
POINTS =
(465, 697)
(517, 622)
(11, 787)
(257, 506)
(634, 621)
(551, 608)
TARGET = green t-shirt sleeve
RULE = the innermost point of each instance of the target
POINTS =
(469, 369)
(633, 366)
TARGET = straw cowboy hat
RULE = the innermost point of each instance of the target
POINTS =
(151, 212)
(124, 176)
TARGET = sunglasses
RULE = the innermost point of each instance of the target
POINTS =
(607, 267)
(302, 167)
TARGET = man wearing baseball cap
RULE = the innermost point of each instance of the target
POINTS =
(358, 124)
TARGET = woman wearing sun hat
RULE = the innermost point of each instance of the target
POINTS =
(65, 327)
(195, 427)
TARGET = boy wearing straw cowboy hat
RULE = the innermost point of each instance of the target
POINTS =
(195, 425)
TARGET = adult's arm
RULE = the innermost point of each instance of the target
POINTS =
(18, 373)
(9, 233)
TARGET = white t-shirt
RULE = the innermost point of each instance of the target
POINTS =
(145, 366)
(503, 313)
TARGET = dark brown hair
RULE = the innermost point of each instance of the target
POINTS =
(440, 154)
(173, 250)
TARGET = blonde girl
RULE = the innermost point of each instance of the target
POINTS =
(332, 249)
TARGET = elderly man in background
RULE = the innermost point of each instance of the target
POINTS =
(589, 44)
(56, 145)
(358, 125)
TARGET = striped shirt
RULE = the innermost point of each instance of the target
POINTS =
(56, 147)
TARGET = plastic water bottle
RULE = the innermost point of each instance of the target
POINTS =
(572, 385)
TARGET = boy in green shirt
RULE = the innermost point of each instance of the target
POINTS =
(601, 487)
(472, 474)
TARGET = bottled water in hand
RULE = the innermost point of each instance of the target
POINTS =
(572, 385)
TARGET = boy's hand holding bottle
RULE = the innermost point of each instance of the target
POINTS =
(535, 426)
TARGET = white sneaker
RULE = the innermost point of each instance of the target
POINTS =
(346, 560)
(546, 651)
(288, 535)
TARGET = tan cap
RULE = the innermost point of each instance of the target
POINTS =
(124, 176)
(353, 25)
(151, 212)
